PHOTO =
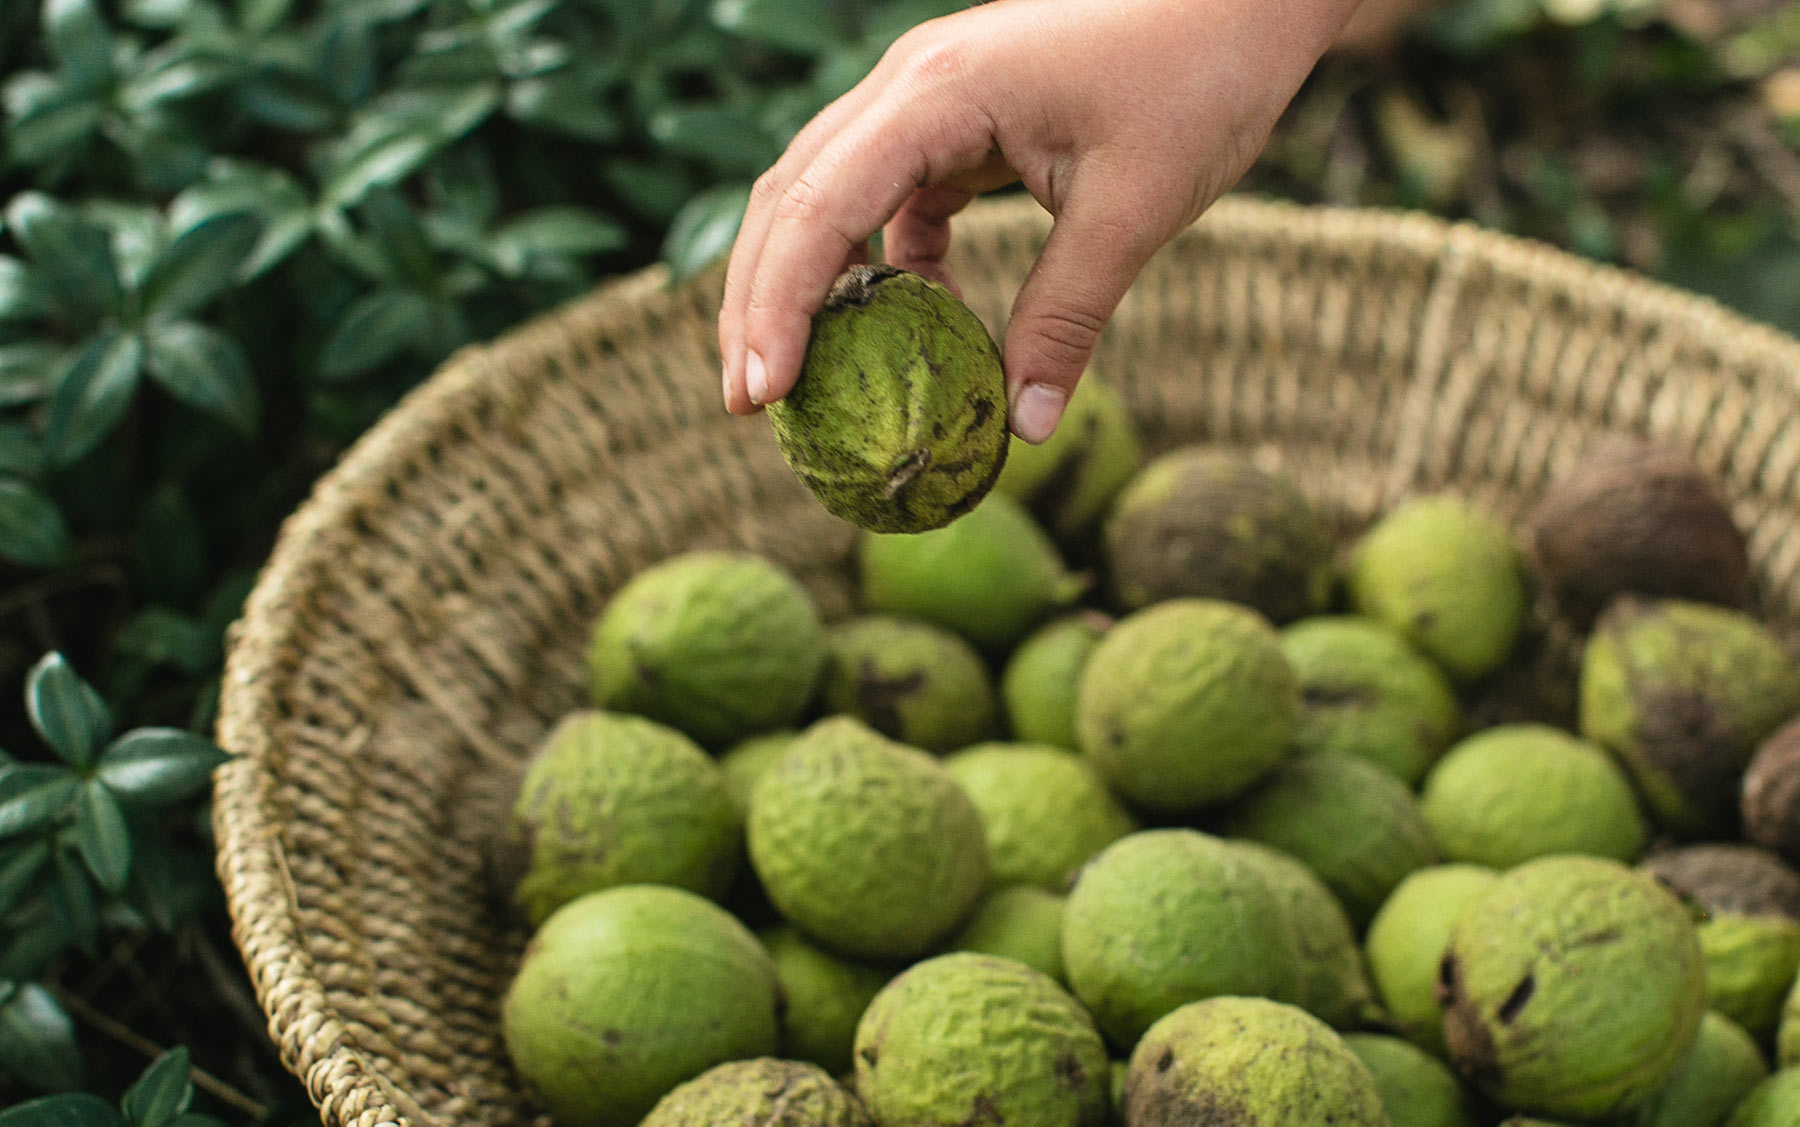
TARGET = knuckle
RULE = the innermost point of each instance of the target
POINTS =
(803, 202)
(1068, 335)
(765, 189)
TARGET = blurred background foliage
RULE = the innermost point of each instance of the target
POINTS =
(234, 232)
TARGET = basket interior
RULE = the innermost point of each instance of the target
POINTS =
(422, 620)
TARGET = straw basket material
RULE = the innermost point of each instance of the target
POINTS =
(422, 619)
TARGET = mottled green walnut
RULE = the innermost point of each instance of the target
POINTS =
(898, 420)
(1365, 691)
(1204, 523)
(1165, 917)
(1774, 1102)
(1187, 703)
(718, 644)
(911, 681)
(1351, 822)
(1751, 933)
(1247, 1062)
(745, 762)
(1417, 1089)
(990, 575)
(1712, 1079)
(1448, 577)
(1068, 480)
(1572, 987)
(609, 799)
(965, 1039)
(1040, 680)
(1334, 983)
(1683, 693)
(1508, 794)
(763, 1092)
(823, 996)
(1406, 941)
(1021, 922)
(1044, 811)
(625, 993)
(867, 845)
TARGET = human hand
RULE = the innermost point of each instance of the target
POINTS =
(1124, 118)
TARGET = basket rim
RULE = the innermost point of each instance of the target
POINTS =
(263, 643)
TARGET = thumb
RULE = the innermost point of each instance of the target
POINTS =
(1093, 254)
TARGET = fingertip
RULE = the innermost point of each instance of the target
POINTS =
(1036, 409)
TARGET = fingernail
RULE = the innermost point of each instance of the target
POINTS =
(1036, 409)
(725, 387)
(756, 378)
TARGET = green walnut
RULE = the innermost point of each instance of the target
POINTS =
(1021, 922)
(1248, 1062)
(718, 644)
(965, 1039)
(1334, 982)
(745, 762)
(898, 420)
(867, 845)
(1712, 1079)
(1068, 480)
(609, 799)
(623, 994)
(1774, 1102)
(1508, 794)
(1351, 822)
(990, 575)
(1187, 703)
(1417, 1089)
(1166, 917)
(1751, 933)
(1572, 987)
(1039, 682)
(1406, 941)
(1683, 693)
(1204, 523)
(1448, 577)
(911, 681)
(1365, 691)
(1044, 810)
(763, 1092)
(823, 995)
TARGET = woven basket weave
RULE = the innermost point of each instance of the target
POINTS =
(421, 621)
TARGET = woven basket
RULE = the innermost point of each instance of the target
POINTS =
(421, 621)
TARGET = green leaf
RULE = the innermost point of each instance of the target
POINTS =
(20, 870)
(160, 766)
(724, 138)
(23, 294)
(805, 27)
(72, 900)
(92, 395)
(71, 1109)
(33, 795)
(704, 228)
(243, 186)
(161, 636)
(399, 239)
(50, 131)
(162, 1093)
(259, 17)
(21, 455)
(66, 711)
(38, 1046)
(164, 15)
(653, 188)
(387, 160)
(173, 78)
(78, 37)
(564, 102)
(75, 257)
(557, 231)
(102, 837)
(32, 530)
(200, 264)
(205, 369)
(288, 100)
(28, 371)
(375, 329)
